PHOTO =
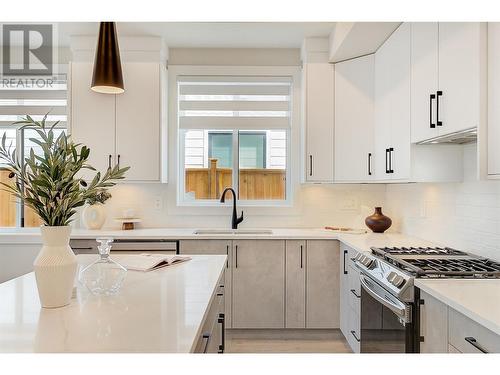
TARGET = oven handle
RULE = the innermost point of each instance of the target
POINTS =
(399, 308)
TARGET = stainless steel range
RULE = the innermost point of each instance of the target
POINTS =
(389, 301)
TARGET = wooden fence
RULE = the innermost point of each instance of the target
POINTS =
(208, 183)
(8, 207)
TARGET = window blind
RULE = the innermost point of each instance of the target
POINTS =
(21, 97)
(234, 102)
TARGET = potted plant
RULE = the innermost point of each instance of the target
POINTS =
(49, 185)
(94, 214)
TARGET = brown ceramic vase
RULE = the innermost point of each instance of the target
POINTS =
(378, 222)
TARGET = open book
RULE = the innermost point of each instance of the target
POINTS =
(148, 261)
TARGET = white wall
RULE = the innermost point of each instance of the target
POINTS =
(461, 215)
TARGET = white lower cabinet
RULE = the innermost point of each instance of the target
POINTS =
(258, 284)
(295, 291)
(322, 284)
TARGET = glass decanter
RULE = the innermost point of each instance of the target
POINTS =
(104, 276)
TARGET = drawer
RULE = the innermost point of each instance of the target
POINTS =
(466, 335)
(354, 332)
(354, 292)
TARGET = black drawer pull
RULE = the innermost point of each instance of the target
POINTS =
(227, 254)
(310, 165)
(345, 269)
(222, 322)
(438, 94)
(236, 256)
(109, 162)
(301, 261)
(431, 124)
(356, 337)
(206, 336)
(387, 161)
(474, 343)
(369, 164)
(391, 150)
(353, 291)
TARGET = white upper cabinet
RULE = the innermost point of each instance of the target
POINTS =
(319, 121)
(123, 129)
(448, 76)
(396, 159)
(424, 80)
(92, 118)
(354, 117)
(493, 99)
(392, 107)
(138, 119)
(318, 112)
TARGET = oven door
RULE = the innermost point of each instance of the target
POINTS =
(386, 322)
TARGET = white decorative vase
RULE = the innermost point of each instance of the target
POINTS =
(94, 216)
(55, 267)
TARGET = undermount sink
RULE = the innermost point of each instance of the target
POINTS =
(233, 231)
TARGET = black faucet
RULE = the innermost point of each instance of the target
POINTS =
(235, 220)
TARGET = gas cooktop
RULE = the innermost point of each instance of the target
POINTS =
(438, 262)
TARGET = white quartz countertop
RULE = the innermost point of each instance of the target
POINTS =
(478, 299)
(157, 311)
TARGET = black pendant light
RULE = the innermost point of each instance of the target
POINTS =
(107, 77)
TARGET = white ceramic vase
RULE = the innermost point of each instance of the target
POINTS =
(55, 267)
(94, 216)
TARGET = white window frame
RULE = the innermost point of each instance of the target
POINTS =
(293, 131)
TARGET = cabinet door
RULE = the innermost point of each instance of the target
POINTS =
(138, 122)
(258, 284)
(493, 98)
(319, 121)
(354, 102)
(92, 119)
(433, 325)
(205, 247)
(461, 58)
(424, 80)
(322, 284)
(382, 125)
(400, 67)
(344, 290)
(295, 307)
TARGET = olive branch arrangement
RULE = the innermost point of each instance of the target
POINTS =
(48, 184)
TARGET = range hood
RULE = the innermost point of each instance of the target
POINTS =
(458, 138)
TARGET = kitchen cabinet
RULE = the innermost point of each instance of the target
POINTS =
(212, 337)
(467, 336)
(318, 81)
(258, 284)
(354, 119)
(395, 158)
(322, 284)
(433, 325)
(295, 295)
(448, 77)
(344, 290)
(392, 107)
(214, 247)
(109, 124)
(493, 99)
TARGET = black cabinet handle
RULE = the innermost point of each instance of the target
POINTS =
(236, 256)
(356, 337)
(345, 269)
(438, 94)
(109, 162)
(369, 164)
(386, 161)
(206, 336)
(391, 150)
(227, 253)
(353, 291)
(310, 165)
(431, 124)
(474, 343)
(222, 322)
(301, 261)
(118, 160)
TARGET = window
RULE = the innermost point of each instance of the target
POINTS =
(233, 132)
(15, 103)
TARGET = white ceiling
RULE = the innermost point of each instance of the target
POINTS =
(210, 34)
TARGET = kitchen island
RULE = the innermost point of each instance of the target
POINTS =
(174, 309)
